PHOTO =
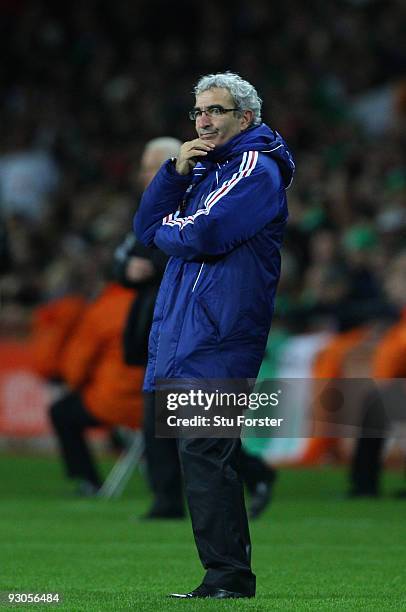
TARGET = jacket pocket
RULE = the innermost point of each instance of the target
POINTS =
(209, 316)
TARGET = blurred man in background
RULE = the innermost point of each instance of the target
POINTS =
(386, 404)
(102, 391)
(142, 268)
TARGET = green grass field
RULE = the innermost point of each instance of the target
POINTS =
(312, 550)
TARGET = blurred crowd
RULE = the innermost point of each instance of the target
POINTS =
(85, 85)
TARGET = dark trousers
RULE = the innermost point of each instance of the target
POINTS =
(380, 407)
(366, 466)
(164, 472)
(70, 419)
(214, 491)
(254, 471)
(163, 467)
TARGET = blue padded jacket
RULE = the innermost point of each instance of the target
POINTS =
(222, 226)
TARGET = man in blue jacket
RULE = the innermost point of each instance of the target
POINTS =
(219, 211)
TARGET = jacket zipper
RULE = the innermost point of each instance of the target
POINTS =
(198, 276)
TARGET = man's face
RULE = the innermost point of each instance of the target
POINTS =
(151, 160)
(219, 129)
(395, 283)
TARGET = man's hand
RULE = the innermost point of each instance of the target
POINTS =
(139, 269)
(188, 153)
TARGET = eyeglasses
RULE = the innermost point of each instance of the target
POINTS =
(215, 110)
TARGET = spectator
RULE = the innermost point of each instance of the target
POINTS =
(385, 405)
(104, 391)
(28, 178)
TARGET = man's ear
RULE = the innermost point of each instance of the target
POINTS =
(246, 119)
